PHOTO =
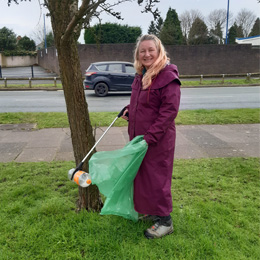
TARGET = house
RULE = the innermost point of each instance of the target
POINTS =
(254, 40)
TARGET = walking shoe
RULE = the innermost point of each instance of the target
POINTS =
(147, 218)
(159, 229)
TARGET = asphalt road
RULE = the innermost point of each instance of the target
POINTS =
(192, 98)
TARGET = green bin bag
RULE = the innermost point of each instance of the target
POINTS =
(114, 172)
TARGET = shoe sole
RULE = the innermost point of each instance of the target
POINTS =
(149, 236)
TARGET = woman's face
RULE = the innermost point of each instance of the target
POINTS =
(148, 53)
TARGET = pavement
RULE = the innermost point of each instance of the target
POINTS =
(24, 143)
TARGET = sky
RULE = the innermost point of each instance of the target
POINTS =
(27, 17)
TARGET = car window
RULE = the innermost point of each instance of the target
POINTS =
(129, 68)
(102, 67)
(115, 68)
(92, 67)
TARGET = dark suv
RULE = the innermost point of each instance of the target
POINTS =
(109, 76)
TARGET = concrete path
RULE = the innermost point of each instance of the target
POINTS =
(22, 143)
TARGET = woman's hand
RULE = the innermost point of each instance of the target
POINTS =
(125, 115)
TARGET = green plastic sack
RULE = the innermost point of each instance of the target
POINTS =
(113, 172)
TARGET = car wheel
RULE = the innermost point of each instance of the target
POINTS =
(101, 89)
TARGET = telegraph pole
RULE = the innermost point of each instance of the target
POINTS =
(45, 41)
(227, 23)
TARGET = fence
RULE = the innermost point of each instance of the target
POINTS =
(54, 79)
(32, 71)
(247, 76)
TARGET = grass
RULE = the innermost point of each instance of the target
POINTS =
(227, 82)
(215, 215)
(33, 86)
(185, 117)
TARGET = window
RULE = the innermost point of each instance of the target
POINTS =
(102, 67)
(115, 68)
(129, 68)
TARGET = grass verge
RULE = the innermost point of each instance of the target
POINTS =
(33, 86)
(215, 215)
(227, 82)
(185, 117)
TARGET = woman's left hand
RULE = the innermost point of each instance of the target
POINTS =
(125, 115)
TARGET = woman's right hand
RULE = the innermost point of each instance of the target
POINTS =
(125, 115)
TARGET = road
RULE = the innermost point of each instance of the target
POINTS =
(192, 98)
(220, 98)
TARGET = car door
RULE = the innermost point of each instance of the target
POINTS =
(129, 70)
(116, 76)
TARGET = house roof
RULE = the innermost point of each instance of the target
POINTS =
(254, 40)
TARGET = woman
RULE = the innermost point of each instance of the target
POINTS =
(153, 107)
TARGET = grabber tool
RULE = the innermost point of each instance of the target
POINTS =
(79, 167)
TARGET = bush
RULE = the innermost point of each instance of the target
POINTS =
(19, 53)
(111, 33)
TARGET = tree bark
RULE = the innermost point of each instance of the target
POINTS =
(78, 115)
(77, 108)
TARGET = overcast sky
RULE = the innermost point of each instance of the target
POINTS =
(27, 17)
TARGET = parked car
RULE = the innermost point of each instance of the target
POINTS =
(109, 76)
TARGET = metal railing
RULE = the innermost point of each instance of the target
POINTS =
(247, 76)
(54, 79)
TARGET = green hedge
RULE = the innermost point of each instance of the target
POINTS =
(19, 53)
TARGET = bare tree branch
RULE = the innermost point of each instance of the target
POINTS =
(88, 10)
(76, 19)
(187, 18)
(10, 1)
(245, 19)
(108, 8)
(149, 8)
(218, 16)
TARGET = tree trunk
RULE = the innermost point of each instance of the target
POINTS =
(77, 108)
(78, 115)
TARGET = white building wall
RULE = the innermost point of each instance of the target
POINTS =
(255, 40)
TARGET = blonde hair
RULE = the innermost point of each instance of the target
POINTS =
(157, 66)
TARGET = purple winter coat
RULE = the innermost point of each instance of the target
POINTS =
(152, 113)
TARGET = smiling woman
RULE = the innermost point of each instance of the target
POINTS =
(153, 107)
(148, 53)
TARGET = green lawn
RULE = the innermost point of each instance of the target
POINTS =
(33, 86)
(185, 117)
(227, 82)
(215, 215)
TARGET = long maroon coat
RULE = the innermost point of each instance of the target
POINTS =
(152, 113)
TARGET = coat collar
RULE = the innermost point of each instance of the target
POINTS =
(165, 76)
